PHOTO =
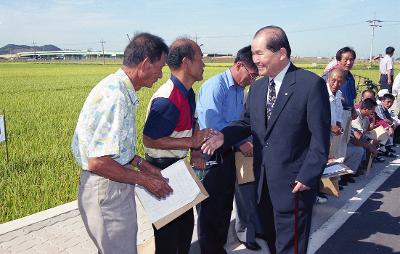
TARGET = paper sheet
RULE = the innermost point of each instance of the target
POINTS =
(185, 190)
(335, 169)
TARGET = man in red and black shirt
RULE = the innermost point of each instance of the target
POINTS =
(171, 130)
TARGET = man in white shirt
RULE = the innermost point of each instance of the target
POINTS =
(386, 70)
(361, 125)
(104, 146)
(338, 144)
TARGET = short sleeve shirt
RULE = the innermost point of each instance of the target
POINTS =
(107, 122)
(386, 64)
(170, 114)
(361, 123)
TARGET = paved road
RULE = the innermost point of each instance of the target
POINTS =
(374, 228)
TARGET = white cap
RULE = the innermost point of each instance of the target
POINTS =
(382, 92)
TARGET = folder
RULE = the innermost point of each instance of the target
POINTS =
(244, 168)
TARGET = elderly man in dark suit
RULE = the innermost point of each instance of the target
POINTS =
(287, 112)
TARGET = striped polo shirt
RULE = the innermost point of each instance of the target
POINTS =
(170, 114)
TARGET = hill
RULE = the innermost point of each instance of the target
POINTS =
(13, 49)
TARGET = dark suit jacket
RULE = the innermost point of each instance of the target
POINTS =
(295, 143)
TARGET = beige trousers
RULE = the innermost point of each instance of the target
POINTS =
(339, 143)
(108, 210)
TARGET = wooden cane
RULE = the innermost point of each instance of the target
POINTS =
(296, 223)
(296, 220)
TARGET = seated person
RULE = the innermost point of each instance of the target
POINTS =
(374, 119)
(334, 80)
(361, 125)
(382, 111)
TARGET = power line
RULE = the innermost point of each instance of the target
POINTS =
(325, 28)
(294, 31)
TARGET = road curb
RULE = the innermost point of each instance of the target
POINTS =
(37, 217)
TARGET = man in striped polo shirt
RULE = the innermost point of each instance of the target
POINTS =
(171, 130)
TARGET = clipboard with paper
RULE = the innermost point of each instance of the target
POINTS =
(330, 177)
(188, 191)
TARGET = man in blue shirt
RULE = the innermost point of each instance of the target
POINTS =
(345, 58)
(220, 102)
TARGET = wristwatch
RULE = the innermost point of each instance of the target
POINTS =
(139, 162)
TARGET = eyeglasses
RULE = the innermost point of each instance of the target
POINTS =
(253, 76)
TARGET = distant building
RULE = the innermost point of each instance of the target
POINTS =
(68, 55)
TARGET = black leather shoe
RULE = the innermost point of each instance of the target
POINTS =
(251, 245)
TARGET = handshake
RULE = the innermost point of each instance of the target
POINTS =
(207, 139)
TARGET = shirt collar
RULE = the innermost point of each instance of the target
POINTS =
(338, 94)
(180, 86)
(231, 81)
(281, 75)
(125, 79)
(329, 90)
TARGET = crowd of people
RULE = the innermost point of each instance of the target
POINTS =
(292, 122)
(351, 123)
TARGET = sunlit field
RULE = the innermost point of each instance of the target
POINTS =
(42, 103)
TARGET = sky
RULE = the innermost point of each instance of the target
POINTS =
(314, 28)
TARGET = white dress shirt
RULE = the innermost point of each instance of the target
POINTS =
(278, 79)
(335, 101)
(386, 65)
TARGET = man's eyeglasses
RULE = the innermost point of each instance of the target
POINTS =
(253, 76)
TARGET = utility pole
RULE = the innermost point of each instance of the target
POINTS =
(373, 23)
(102, 45)
(34, 49)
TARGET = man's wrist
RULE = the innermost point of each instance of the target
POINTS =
(137, 162)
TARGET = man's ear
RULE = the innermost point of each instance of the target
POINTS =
(185, 62)
(145, 64)
(283, 53)
(237, 66)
